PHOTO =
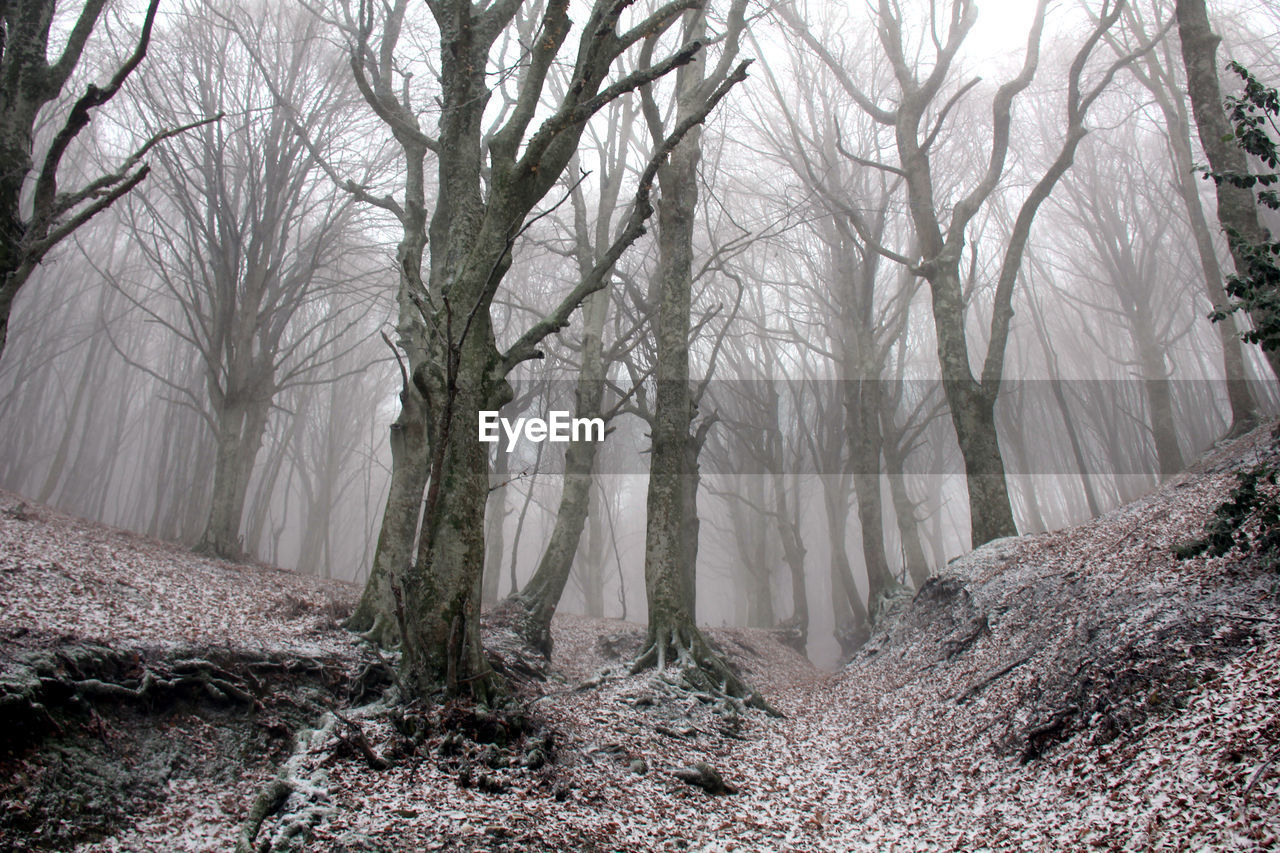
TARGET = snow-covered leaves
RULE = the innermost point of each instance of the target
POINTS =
(1071, 690)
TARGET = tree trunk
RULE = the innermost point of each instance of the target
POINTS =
(1244, 409)
(541, 595)
(904, 511)
(393, 553)
(1155, 381)
(973, 416)
(410, 446)
(670, 533)
(591, 557)
(863, 417)
(240, 431)
(852, 628)
(793, 552)
(495, 528)
(671, 629)
(438, 600)
(1237, 209)
(754, 553)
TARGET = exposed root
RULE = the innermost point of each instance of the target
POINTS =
(69, 713)
(701, 669)
(267, 803)
(360, 744)
(295, 801)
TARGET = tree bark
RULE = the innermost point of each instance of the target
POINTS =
(671, 627)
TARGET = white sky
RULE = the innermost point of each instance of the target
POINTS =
(1000, 35)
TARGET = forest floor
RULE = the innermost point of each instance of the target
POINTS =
(1077, 689)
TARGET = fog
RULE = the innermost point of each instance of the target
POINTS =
(220, 357)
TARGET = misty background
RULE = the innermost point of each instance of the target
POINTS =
(230, 320)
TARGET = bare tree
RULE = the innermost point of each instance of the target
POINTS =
(1158, 74)
(489, 182)
(917, 119)
(1237, 209)
(35, 214)
(244, 231)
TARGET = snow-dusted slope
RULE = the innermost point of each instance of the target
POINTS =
(1070, 690)
(61, 575)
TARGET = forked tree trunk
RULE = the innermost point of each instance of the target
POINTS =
(973, 415)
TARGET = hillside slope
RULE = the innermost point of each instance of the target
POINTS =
(1082, 688)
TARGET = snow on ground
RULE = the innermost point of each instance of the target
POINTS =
(1082, 689)
(64, 576)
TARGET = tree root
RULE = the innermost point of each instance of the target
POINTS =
(360, 743)
(44, 687)
(701, 669)
(296, 798)
(267, 803)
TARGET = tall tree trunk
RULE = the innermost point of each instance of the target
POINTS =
(852, 625)
(410, 447)
(410, 452)
(591, 557)
(241, 426)
(1244, 409)
(671, 628)
(754, 553)
(862, 414)
(904, 512)
(495, 528)
(437, 599)
(670, 534)
(793, 553)
(1155, 381)
(541, 595)
(1237, 209)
